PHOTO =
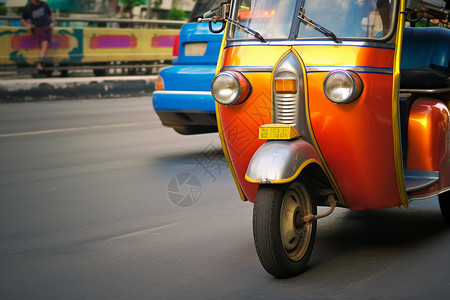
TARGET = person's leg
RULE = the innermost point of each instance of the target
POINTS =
(43, 51)
(43, 36)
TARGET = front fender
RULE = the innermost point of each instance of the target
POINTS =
(280, 161)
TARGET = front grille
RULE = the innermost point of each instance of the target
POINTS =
(285, 109)
(288, 108)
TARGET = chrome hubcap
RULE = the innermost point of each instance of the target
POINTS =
(295, 235)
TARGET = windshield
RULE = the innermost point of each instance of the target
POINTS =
(272, 19)
(348, 18)
(345, 18)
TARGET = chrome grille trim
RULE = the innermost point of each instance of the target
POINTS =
(286, 110)
(286, 105)
(291, 108)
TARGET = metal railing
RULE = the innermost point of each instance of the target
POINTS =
(107, 21)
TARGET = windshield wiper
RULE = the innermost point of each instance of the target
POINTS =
(320, 28)
(256, 34)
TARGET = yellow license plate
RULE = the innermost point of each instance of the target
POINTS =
(277, 132)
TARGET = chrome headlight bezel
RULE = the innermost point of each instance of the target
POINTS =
(230, 87)
(342, 86)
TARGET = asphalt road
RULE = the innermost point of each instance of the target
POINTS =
(91, 207)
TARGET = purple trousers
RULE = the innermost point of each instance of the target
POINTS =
(43, 34)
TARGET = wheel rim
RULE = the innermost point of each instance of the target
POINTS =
(295, 235)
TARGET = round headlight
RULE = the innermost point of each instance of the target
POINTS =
(342, 86)
(230, 87)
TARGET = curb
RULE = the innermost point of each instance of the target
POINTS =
(50, 89)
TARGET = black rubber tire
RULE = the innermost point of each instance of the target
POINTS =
(444, 203)
(267, 229)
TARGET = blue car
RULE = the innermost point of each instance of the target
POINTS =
(183, 99)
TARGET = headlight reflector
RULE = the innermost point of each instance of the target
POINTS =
(341, 86)
(230, 87)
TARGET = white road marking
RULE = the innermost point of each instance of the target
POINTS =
(122, 125)
(133, 234)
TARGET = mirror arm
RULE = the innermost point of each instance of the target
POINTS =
(221, 12)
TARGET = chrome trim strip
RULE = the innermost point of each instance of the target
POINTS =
(269, 69)
(249, 69)
(183, 93)
(426, 91)
(374, 70)
(290, 108)
(427, 196)
(312, 43)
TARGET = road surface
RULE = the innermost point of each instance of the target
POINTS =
(93, 206)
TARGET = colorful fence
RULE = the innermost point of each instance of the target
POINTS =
(74, 46)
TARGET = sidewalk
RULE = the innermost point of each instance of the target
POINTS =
(70, 88)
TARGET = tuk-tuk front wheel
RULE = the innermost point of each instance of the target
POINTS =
(283, 241)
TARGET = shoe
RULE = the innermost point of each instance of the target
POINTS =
(36, 73)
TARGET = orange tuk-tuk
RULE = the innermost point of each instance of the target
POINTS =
(330, 103)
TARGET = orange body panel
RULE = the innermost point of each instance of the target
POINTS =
(425, 110)
(345, 56)
(444, 155)
(241, 122)
(427, 135)
(254, 56)
(240, 128)
(356, 140)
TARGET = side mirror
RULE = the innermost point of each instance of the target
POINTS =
(218, 14)
(416, 8)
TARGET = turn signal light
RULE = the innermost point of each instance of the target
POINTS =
(159, 85)
(285, 86)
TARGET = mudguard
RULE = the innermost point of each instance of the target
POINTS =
(278, 162)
